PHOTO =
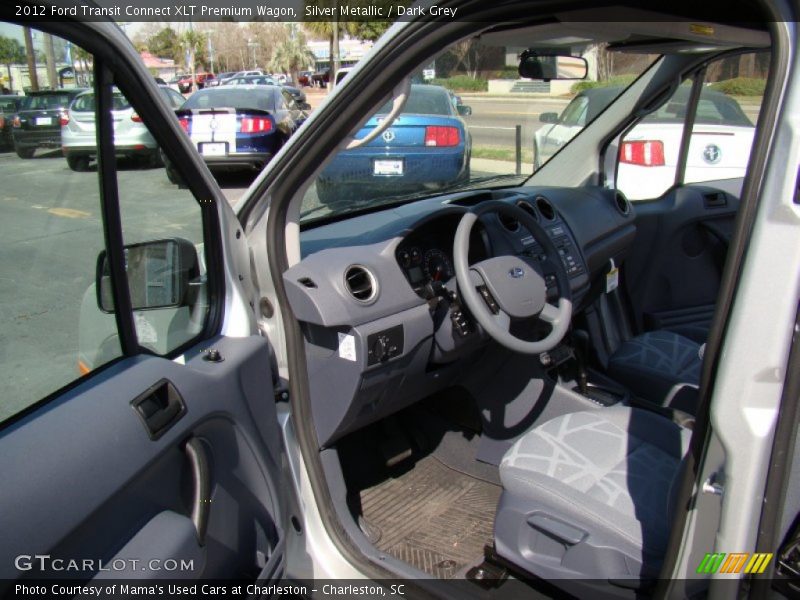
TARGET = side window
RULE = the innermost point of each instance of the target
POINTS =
(724, 127)
(648, 154)
(55, 279)
(52, 234)
(721, 137)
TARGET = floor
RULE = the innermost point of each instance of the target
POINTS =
(431, 516)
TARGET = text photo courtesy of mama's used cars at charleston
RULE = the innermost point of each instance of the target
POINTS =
(509, 310)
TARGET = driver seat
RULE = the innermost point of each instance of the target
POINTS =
(591, 495)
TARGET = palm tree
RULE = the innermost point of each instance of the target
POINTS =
(292, 56)
(193, 40)
(332, 30)
(11, 51)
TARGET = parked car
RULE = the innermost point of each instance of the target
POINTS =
(220, 78)
(298, 95)
(249, 80)
(321, 78)
(429, 144)
(237, 127)
(8, 108)
(719, 148)
(186, 84)
(37, 122)
(132, 139)
(304, 78)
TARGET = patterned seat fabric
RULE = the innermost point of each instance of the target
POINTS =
(652, 363)
(611, 473)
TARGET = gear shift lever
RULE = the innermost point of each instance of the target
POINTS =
(581, 341)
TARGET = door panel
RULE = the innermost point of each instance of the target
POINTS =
(673, 272)
(82, 477)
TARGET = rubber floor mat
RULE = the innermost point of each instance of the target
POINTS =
(432, 517)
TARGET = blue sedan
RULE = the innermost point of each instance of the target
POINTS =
(428, 144)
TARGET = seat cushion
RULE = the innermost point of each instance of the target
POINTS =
(610, 473)
(652, 363)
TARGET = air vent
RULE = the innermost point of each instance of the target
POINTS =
(508, 221)
(361, 283)
(621, 202)
(545, 208)
(528, 208)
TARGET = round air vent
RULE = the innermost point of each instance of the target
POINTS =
(528, 208)
(545, 208)
(622, 203)
(360, 283)
(508, 221)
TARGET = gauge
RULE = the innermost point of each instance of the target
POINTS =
(416, 255)
(437, 266)
(404, 258)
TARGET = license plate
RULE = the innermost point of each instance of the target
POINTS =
(43, 121)
(388, 167)
(214, 149)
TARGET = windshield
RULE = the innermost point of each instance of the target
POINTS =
(470, 122)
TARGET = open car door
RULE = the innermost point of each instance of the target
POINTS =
(139, 436)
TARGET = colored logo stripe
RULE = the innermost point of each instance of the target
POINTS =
(735, 562)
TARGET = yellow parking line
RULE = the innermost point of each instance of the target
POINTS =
(69, 213)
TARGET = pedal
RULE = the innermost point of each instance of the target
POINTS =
(396, 446)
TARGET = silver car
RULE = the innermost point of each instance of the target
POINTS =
(131, 137)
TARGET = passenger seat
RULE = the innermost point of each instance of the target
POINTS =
(652, 364)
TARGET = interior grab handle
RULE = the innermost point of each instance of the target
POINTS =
(201, 476)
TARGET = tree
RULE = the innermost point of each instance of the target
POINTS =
(192, 41)
(11, 51)
(292, 56)
(333, 31)
(370, 30)
(30, 54)
(166, 44)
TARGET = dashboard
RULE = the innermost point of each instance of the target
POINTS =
(379, 304)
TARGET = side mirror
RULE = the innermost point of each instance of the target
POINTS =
(160, 275)
(552, 66)
(464, 110)
(305, 106)
(548, 117)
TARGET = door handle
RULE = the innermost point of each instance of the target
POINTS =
(201, 477)
(159, 408)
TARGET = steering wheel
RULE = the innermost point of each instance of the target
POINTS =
(503, 288)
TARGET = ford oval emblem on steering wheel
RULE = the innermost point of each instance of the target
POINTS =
(516, 273)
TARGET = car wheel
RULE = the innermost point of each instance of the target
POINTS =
(24, 152)
(78, 163)
(153, 160)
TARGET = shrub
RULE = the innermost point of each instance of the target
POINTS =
(740, 86)
(616, 80)
(462, 83)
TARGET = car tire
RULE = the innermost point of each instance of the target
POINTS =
(24, 152)
(78, 162)
(173, 176)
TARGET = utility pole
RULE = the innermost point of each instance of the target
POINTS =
(32, 74)
(50, 58)
(335, 52)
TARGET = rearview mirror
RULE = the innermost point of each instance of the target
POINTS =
(548, 117)
(464, 110)
(551, 66)
(160, 275)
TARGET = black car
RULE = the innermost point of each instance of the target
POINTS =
(296, 93)
(37, 123)
(8, 108)
(238, 127)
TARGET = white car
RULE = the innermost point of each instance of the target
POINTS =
(648, 157)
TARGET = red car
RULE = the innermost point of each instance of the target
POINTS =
(187, 85)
